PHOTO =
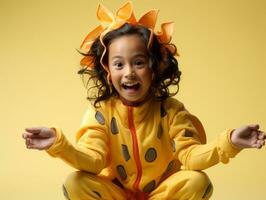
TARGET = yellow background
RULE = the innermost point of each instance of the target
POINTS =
(223, 59)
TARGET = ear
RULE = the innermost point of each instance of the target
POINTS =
(150, 66)
(109, 80)
(150, 63)
(152, 76)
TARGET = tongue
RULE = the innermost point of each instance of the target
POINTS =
(133, 87)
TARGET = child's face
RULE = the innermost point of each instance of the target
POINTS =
(129, 67)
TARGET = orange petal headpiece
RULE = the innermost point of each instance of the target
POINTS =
(110, 22)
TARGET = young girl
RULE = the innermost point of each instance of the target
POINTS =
(135, 140)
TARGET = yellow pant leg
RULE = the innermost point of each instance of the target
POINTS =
(184, 185)
(84, 186)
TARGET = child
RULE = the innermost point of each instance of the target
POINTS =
(136, 141)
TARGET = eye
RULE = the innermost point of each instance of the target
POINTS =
(139, 63)
(118, 65)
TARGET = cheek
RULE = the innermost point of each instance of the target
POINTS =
(146, 75)
(115, 77)
(112, 74)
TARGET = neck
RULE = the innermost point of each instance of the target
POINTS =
(136, 103)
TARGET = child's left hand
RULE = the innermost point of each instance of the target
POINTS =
(248, 137)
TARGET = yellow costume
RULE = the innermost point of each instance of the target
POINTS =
(152, 151)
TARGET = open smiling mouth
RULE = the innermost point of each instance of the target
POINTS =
(131, 86)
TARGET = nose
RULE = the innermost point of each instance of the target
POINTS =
(129, 72)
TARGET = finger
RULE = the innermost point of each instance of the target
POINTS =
(31, 146)
(36, 144)
(261, 136)
(28, 142)
(255, 145)
(34, 130)
(24, 135)
(259, 145)
(261, 142)
(254, 142)
(253, 126)
(29, 135)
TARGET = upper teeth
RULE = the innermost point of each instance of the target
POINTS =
(129, 84)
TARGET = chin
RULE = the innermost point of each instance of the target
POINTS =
(131, 100)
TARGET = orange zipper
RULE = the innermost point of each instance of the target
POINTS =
(135, 147)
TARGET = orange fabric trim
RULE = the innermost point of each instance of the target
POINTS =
(135, 147)
(136, 196)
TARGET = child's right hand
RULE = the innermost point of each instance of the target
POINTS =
(40, 138)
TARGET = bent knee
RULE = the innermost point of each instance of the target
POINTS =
(71, 184)
(83, 185)
(75, 184)
(200, 184)
(73, 180)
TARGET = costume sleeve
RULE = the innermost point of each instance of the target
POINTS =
(90, 152)
(188, 146)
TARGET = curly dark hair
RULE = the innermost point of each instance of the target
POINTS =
(163, 63)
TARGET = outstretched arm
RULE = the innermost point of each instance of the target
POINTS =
(197, 156)
(82, 156)
(91, 149)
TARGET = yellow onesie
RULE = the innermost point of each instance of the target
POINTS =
(153, 151)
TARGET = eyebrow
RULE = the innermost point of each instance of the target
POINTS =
(140, 55)
(136, 55)
(116, 57)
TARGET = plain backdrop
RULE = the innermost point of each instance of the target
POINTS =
(222, 48)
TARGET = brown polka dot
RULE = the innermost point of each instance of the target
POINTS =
(99, 117)
(150, 155)
(122, 172)
(160, 131)
(162, 111)
(114, 128)
(173, 145)
(98, 194)
(188, 133)
(149, 187)
(125, 152)
(170, 166)
(65, 193)
(118, 183)
(207, 191)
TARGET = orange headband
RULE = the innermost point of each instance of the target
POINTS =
(110, 22)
